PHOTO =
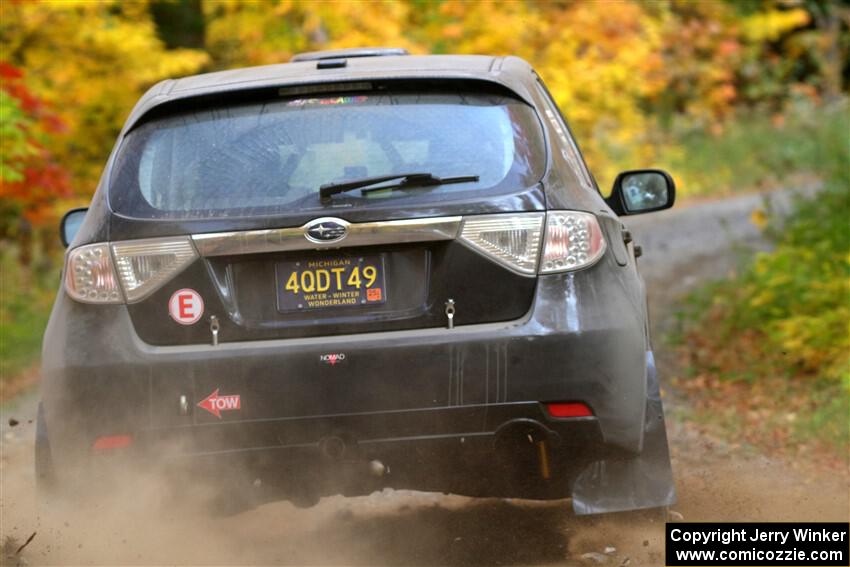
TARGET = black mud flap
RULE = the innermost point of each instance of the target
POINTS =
(644, 481)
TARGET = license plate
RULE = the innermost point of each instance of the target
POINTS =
(342, 281)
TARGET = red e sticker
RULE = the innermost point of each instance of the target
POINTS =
(186, 306)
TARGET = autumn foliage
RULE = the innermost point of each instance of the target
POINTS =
(30, 177)
(643, 83)
(631, 76)
(71, 71)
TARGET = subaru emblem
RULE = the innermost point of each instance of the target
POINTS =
(326, 230)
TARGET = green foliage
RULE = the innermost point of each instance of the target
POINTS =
(827, 418)
(25, 299)
(724, 94)
(14, 144)
(798, 295)
(776, 338)
(622, 73)
(87, 63)
(758, 150)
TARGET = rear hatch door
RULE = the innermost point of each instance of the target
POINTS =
(274, 260)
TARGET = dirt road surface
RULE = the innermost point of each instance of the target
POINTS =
(716, 479)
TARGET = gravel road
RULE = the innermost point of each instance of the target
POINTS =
(716, 479)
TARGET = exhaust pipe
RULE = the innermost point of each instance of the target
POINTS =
(530, 437)
(522, 432)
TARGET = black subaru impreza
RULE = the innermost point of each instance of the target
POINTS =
(357, 270)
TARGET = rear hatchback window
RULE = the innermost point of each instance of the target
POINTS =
(272, 157)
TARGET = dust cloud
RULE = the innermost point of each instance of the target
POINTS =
(147, 519)
(148, 522)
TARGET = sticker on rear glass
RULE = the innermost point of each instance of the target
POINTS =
(331, 101)
(186, 306)
(215, 403)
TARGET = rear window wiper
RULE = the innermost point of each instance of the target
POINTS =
(408, 180)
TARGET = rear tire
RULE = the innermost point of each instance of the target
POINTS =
(45, 471)
(53, 483)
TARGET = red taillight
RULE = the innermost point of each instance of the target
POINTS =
(569, 409)
(112, 442)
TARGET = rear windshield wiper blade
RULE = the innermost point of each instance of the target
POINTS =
(407, 180)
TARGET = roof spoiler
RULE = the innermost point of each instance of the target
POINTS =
(348, 53)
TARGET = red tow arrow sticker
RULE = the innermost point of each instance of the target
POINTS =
(216, 404)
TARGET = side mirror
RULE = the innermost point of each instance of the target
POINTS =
(70, 225)
(642, 191)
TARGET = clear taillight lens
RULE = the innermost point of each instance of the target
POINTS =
(138, 267)
(573, 240)
(143, 266)
(90, 276)
(511, 240)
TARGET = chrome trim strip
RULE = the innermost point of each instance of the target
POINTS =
(359, 234)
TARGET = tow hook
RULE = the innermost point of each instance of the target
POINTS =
(378, 469)
(183, 402)
(214, 330)
(450, 313)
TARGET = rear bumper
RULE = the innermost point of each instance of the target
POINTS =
(404, 391)
(477, 428)
(489, 450)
